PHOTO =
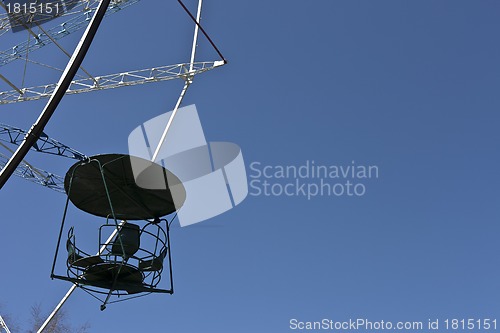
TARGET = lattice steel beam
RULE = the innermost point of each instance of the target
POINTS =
(44, 144)
(35, 175)
(125, 79)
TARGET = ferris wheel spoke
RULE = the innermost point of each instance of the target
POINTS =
(131, 78)
(35, 175)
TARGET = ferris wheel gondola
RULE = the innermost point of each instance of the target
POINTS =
(131, 263)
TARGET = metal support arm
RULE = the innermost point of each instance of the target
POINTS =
(125, 79)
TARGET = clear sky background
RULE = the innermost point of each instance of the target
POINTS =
(408, 86)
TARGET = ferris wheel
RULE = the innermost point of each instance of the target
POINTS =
(131, 261)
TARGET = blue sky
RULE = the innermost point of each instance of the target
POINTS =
(411, 87)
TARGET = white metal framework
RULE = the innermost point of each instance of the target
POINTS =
(85, 11)
(38, 176)
(125, 79)
(3, 325)
(77, 17)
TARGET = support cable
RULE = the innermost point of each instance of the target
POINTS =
(13, 86)
(63, 50)
(41, 64)
(26, 61)
(202, 30)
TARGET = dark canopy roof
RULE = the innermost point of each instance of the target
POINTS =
(160, 193)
